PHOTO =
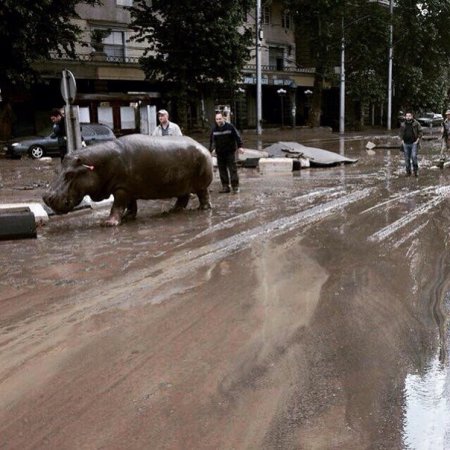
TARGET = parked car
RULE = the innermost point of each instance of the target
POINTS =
(44, 145)
(431, 119)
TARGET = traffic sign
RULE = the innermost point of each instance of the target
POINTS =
(68, 87)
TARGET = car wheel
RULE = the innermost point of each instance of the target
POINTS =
(37, 152)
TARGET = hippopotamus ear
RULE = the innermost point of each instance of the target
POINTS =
(79, 162)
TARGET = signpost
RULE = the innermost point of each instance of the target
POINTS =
(71, 111)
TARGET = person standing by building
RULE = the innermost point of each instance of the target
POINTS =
(225, 139)
(410, 134)
(165, 127)
(445, 137)
(59, 131)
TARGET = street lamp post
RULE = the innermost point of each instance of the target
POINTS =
(282, 92)
(390, 60)
(342, 84)
(391, 56)
(258, 73)
(238, 93)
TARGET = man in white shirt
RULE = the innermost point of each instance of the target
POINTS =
(166, 128)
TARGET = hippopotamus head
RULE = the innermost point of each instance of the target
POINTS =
(76, 179)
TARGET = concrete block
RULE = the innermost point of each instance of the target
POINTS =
(275, 165)
(17, 223)
(40, 215)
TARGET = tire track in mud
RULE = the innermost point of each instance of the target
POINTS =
(243, 218)
(180, 266)
(398, 198)
(442, 193)
(146, 283)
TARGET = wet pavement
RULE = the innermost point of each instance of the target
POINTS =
(309, 311)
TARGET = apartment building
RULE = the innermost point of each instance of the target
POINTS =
(112, 88)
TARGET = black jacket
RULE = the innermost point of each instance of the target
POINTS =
(225, 139)
(59, 131)
(416, 129)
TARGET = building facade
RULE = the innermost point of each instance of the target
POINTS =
(113, 89)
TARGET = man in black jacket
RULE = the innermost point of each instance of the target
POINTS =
(445, 137)
(410, 134)
(59, 131)
(225, 139)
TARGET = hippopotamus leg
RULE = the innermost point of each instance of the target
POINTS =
(117, 209)
(181, 202)
(204, 199)
(131, 211)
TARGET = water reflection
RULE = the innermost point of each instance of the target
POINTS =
(427, 407)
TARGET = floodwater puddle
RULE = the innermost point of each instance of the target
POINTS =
(427, 407)
(427, 399)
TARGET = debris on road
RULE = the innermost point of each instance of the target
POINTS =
(316, 156)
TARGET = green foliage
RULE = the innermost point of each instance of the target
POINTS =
(421, 47)
(29, 31)
(421, 54)
(192, 43)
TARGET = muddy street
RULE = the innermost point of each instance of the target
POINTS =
(309, 311)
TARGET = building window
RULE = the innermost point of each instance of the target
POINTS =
(114, 45)
(266, 15)
(105, 115)
(276, 58)
(127, 118)
(286, 19)
(124, 2)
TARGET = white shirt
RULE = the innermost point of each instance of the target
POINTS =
(172, 129)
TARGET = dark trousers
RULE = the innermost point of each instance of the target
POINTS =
(227, 164)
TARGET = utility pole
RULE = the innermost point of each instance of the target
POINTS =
(258, 73)
(391, 56)
(342, 84)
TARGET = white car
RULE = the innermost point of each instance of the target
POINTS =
(431, 119)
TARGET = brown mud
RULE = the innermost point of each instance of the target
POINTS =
(309, 311)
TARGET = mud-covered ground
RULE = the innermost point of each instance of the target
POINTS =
(309, 311)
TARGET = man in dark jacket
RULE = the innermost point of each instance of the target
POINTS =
(410, 134)
(445, 137)
(59, 131)
(225, 139)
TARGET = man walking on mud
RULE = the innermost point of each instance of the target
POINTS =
(226, 139)
(410, 134)
(445, 138)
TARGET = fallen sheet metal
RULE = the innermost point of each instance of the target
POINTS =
(316, 156)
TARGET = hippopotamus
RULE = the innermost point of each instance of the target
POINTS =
(133, 167)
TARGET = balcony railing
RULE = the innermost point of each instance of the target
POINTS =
(274, 68)
(93, 57)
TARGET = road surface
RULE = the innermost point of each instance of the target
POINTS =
(309, 311)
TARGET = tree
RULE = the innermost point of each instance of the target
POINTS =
(421, 51)
(192, 44)
(30, 31)
(320, 22)
(422, 54)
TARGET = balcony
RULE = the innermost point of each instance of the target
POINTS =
(96, 57)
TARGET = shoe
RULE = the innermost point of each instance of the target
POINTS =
(225, 190)
(408, 174)
(235, 190)
(416, 174)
